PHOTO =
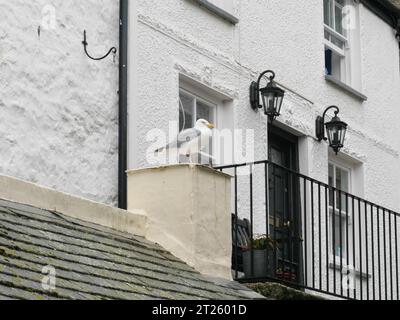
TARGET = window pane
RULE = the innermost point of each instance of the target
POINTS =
(335, 64)
(276, 156)
(338, 247)
(328, 12)
(328, 62)
(331, 175)
(327, 35)
(339, 19)
(344, 180)
(331, 184)
(339, 205)
(204, 111)
(337, 42)
(186, 110)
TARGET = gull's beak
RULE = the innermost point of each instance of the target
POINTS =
(211, 126)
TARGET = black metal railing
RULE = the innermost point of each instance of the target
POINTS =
(293, 229)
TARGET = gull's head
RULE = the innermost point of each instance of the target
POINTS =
(201, 124)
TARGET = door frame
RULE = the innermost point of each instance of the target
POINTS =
(285, 137)
(293, 140)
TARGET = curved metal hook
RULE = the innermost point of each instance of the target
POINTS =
(270, 78)
(85, 44)
(329, 108)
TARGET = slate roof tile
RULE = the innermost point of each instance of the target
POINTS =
(92, 262)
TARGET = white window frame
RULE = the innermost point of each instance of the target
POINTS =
(224, 113)
(338, 214)
(342, 53)
(207, 101)
(198, 98)
(348, 70)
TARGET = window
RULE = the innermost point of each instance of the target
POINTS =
(335, 38)
(339, 208)
(191, 109)
(342, 42)
(194, 108)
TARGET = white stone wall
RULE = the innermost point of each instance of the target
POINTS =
(286, 36)
(58, 109)
(180, 38)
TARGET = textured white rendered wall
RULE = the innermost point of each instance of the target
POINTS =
(286, 36)
(58, 109)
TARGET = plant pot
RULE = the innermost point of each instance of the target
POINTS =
(263, 263)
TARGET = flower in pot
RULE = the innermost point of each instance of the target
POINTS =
(258, 257)
(262, 242)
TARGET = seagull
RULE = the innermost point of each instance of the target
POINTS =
(191, 141)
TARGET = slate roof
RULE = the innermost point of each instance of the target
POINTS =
(92, 262)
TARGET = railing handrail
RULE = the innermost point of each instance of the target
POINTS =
(320, 183)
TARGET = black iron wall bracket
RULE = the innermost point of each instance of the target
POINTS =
(113, 50)
(320, 123)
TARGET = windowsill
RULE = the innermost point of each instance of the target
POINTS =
(356, 272)
(218, 11)
(346, 88)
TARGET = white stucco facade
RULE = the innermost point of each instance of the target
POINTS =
(181, 38)
(58, 108)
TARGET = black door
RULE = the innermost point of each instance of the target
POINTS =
(284, 217)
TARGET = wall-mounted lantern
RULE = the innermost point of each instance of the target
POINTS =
(272, 96)
(335, 129)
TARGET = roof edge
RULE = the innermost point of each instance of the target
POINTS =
(384, 9)
(23, 192)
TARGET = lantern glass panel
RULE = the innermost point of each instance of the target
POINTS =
(336, 133)
(272, 100)
(269, 102)
(279, 101)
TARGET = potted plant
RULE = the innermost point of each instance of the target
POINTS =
(261, 252)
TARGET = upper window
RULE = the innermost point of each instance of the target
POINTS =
(342, 43)
(335, 38)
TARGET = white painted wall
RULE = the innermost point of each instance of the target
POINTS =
(58, 109)
(180, 38)
(286, 36)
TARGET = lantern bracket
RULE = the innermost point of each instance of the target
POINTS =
(255, 89)
(85, 45)
(320, 123)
